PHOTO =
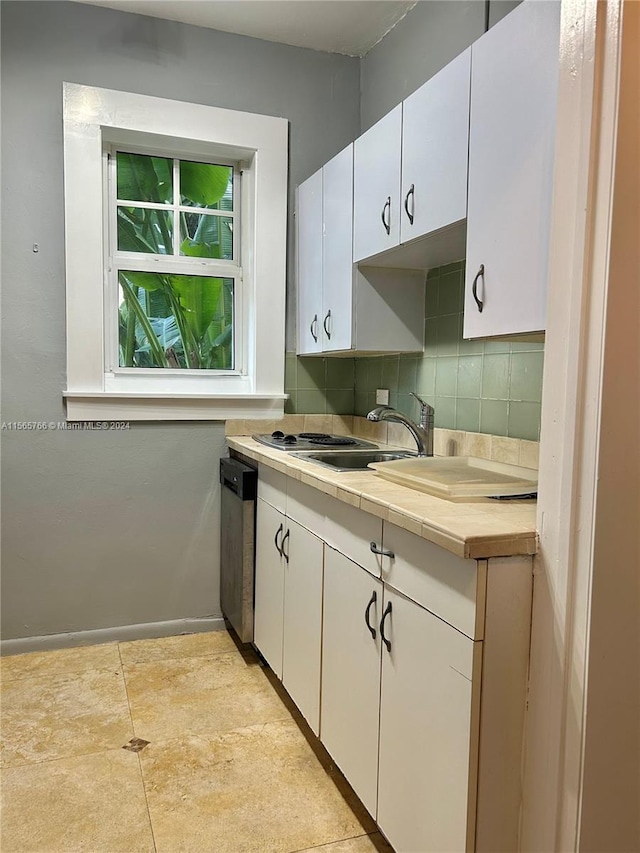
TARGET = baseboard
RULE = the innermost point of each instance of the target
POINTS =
(145, 631)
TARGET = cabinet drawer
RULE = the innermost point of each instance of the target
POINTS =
(351, 531)
(446, 585)
(272, 487)
(307, 506)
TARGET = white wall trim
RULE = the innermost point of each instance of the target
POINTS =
(585, 147)
(191, 407)
(144, 631)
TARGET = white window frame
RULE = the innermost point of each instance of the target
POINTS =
(95, 117)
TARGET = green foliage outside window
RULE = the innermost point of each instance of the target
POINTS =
(174, 320)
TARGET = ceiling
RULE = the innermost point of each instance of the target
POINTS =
(351, 27)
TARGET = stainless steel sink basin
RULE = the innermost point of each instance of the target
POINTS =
(352, 460)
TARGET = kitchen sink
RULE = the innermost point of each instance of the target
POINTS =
(352, 460)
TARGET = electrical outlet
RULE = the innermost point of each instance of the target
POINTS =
(382, 396)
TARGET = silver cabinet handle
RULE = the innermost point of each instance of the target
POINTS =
(275, 539)
(325, 325)
(384, 552)
(474, 288)
(314, 324)
(282, 551)
(385, 209)
(385, 640)
(410, 213)
(372, 601)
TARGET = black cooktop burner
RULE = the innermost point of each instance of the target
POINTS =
(310, 440)
(333, 440)
(314, 438)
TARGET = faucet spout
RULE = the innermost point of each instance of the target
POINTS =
(422, 431)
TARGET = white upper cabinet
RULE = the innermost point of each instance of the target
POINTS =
(411, 176)
(376, 189)
(342, 308)
(511, 153)
(435, 140)
(337, 248)
(309, 228)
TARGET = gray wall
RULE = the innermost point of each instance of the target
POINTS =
(117, 528)
(429, 36)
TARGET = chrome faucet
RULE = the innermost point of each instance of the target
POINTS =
(421, 431)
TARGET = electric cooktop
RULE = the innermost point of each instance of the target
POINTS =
(312, 441)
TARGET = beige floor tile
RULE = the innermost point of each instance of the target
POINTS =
(200, 696)
(362, 844)
(183, 646)
(254, 790)
(52, 717)
(59, 662)
(88, 804)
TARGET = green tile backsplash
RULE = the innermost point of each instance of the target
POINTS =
(479, 386)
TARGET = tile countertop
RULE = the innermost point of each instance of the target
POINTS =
(477, 529)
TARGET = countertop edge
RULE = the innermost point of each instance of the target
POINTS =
(517, 539)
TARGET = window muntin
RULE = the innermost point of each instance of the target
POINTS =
(174, 271)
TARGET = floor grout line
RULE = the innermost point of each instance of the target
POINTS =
(67, 674)
(329, 843)
(182, 657)
(23, 764)
(133, 728)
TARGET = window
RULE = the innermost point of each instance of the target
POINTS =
(176, 244)
(173, 262)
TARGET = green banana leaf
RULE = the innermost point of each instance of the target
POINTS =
(144, 178)
(199, 298)
(203, 183)
(194, 249)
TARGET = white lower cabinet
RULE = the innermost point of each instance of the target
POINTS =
(351, 672)
(269, 584)
(410, 663)
(288, 587)
(425, 724)
(303, 556)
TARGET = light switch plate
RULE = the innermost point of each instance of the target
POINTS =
(382, 396)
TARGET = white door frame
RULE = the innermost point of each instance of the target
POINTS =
(569, 500)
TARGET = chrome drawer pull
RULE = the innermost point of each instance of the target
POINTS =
(384, 552)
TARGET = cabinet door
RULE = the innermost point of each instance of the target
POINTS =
(425, 720)
(511, 152)
(376, 187)
(303, 565)
(337, 264)
(435, 141)
(309, 229)
(269, 585)
(351, 673)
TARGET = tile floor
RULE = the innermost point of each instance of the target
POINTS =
(229, 766)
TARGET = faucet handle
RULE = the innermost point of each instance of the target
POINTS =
(423, 403)
(426, 410)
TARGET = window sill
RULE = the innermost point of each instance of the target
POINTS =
(133, 406)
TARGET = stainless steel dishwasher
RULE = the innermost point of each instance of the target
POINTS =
(237, 545)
